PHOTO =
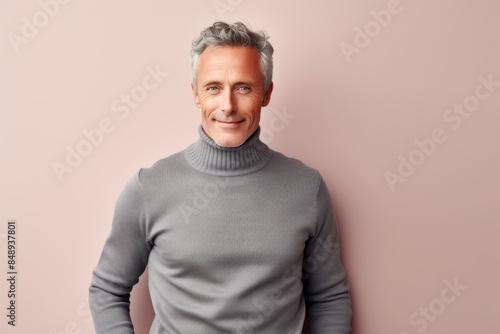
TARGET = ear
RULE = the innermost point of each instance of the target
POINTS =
(267, 95)
(195, 96)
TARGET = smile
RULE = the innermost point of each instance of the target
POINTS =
(229, 124)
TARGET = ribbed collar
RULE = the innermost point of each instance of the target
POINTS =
(207, 156)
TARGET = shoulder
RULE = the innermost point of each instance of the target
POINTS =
(292, 167)
(294, 172)
(173, 166)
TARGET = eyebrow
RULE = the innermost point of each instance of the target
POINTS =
(239, 83)
(210, 83)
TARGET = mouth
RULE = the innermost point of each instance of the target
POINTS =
(229, 124)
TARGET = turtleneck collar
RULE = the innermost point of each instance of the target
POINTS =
(207, 156)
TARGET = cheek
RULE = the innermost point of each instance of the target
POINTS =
(250, 105)
(208, 104)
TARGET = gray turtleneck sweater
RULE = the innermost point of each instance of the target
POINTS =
(237, 240)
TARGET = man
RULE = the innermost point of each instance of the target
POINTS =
(237, 238)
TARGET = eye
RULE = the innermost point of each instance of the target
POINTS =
(244, 88)
(212, 88)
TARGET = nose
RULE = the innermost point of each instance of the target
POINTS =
(227, 104)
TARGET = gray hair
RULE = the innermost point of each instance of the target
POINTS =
(237, 34)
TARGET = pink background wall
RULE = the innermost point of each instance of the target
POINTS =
(390, 100)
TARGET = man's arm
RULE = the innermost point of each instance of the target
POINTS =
(325, 289)
(122, 261)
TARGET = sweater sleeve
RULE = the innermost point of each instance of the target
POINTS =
(122, 261)
(325, 288)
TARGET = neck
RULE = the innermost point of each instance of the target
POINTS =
(207, 156)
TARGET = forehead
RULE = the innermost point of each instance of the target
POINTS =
(229, 60)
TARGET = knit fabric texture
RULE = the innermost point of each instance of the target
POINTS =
(236, 240)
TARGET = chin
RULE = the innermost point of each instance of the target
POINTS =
(229, 142)
(230, 139)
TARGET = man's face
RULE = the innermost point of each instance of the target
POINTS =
(230, 93)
